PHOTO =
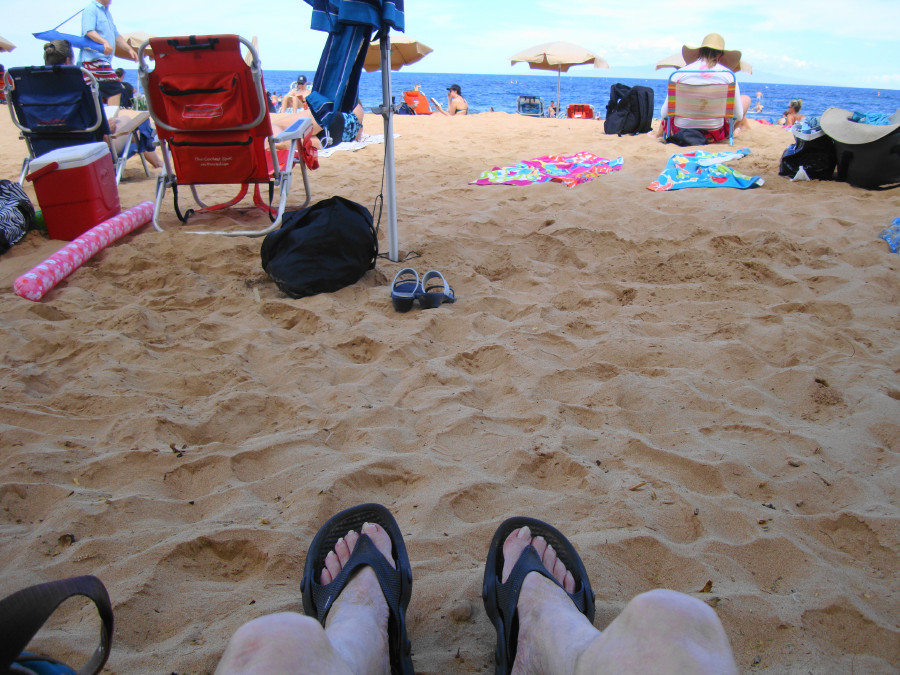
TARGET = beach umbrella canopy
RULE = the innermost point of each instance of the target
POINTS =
(134, 39)
(77, 41)
(677, 61)
(6, 45)
(558, 56)
(404, 51)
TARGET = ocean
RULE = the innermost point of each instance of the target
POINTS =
(499, 92)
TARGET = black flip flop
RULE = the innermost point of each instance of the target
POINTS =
(396, 584)
(500, 599)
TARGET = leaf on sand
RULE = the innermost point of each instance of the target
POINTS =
(707, 588)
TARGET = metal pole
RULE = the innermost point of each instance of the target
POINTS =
(558, 78)
(387, 111)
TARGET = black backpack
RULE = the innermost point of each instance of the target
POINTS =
(629, 111)
(816, 156)
(322, 248)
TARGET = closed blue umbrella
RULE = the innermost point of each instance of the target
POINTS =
(350, 25)
(76, 40)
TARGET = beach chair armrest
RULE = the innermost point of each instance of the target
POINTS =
(298, 129)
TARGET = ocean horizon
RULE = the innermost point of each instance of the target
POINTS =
(500, 92)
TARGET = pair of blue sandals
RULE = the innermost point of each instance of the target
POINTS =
(432, 290)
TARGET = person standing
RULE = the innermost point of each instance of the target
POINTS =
(97, 25)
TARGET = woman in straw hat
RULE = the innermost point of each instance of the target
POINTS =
(712, 58)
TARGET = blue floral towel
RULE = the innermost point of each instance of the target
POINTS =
(703, 169)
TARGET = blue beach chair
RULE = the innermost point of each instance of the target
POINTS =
(531, 106)
(58, 107)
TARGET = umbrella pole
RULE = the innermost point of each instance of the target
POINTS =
(390, 176)
(558, 76)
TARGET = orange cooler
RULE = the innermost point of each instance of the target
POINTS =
(76, 188)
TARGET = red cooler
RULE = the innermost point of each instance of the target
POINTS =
(76, 188)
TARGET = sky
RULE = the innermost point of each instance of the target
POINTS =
(830, 42)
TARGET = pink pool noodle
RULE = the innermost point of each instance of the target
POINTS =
(34, 284)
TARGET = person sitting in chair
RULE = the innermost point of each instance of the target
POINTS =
(59, 52)
(350, 124)
(127, 100)
(712, 58)
(296, 97)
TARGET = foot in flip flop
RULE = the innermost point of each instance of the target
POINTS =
(357, 571)
(532, 574)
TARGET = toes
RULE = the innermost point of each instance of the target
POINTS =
(342, 548)
(540, 545)
(350, 540)
(549, 558)
(515, 543)
(332, 568)
(569, 582)
(381, 539)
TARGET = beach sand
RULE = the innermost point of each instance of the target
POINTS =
(699, 388)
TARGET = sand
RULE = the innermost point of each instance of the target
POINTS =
(700, 388)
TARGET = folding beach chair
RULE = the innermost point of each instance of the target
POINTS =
(532, 106)
(58, 107)
(701, 101)
(212, 118)
(417, 101)
(580, 111)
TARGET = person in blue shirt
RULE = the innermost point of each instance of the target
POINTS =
(97, 25)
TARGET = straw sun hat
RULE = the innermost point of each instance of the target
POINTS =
(731, 59)
(836, 123)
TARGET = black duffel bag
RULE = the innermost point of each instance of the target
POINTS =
(322, 248)
(816, 156)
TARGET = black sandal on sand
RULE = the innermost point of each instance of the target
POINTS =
(396, 584)
(500, 599)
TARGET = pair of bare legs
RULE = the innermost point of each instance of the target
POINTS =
(281, 121)
(293, 101)
(659, 631)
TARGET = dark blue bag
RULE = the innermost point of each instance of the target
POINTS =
(322, 248)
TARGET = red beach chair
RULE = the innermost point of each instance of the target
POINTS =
(212, 118)
(580, 111)
(417, 101)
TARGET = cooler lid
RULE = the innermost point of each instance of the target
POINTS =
(71, 157)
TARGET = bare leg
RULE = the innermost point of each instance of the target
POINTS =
(354, 639)
(745, 122)
(659, 631)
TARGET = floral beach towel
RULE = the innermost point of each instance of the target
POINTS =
(571, 170)
(703, 169)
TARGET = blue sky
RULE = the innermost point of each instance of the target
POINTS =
(826, 42)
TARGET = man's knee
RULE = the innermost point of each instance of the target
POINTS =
(284, 625)
(662, 604)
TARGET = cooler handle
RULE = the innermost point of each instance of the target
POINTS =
(43, 171)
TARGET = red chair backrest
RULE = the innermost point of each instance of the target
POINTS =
(580, 111)
(202, 87)
(417, 101)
